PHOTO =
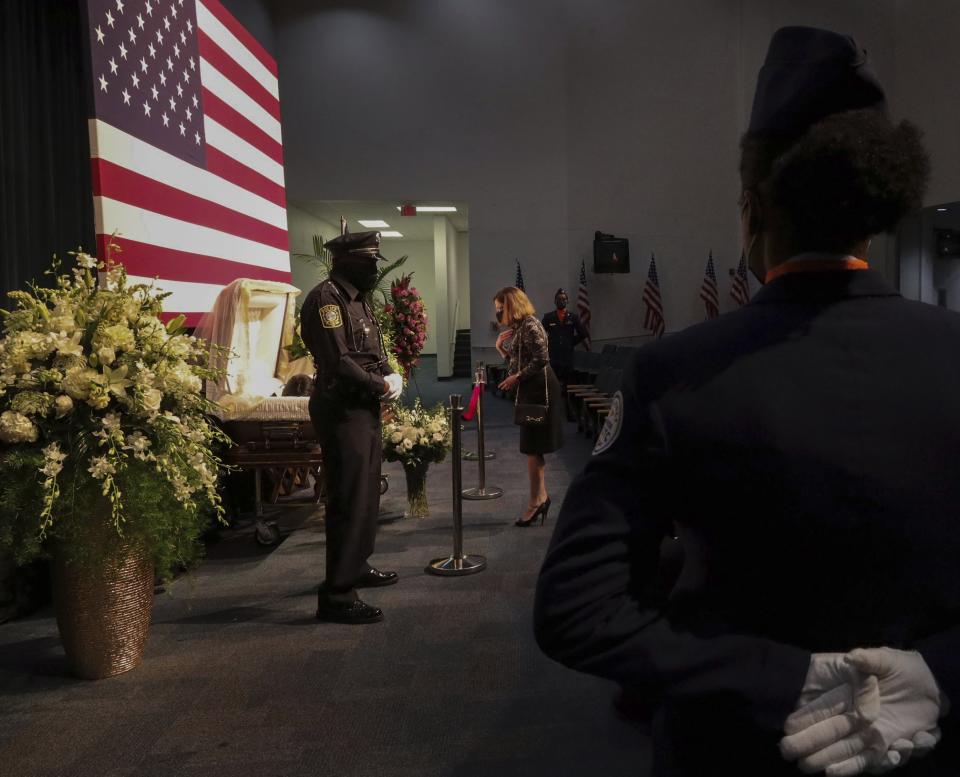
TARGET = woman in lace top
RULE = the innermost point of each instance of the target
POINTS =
(524, 344)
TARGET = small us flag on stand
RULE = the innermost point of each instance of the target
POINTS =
(740, 290)
(519, 281)
(186, 152)
(651, 296)
(708, 291)
(583, 303)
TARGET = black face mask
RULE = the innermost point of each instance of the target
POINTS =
(499, 316)
(362, 273)
(561, 303)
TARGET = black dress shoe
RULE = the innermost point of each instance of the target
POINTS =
(374, 578)
(355, 612)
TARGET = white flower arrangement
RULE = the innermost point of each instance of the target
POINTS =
(417, 435)
(96, 392)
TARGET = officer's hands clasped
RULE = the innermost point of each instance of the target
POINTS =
(394, 387)
(868, 710)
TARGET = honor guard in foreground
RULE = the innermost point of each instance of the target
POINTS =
(805, 447)
(353, 378)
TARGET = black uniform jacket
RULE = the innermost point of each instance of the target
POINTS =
(336, 324)
(807, 450)
(563, 337)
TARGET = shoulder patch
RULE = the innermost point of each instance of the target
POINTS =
(330, 316)
(611, 427)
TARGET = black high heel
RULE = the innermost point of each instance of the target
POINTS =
(540, 512)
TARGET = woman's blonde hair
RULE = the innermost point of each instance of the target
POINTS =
(516, 305)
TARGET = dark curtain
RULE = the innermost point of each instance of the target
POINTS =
(46, 201)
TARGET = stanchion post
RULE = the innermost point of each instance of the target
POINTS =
(482, 492)
(479, 379)
(459, 563)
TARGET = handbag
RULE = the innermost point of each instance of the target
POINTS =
(528, 413)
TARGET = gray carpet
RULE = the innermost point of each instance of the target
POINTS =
(240, 679)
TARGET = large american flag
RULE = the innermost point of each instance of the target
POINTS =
(651, 296)
(708, 290)
(583, 303)
(186, 149)
(740, 289)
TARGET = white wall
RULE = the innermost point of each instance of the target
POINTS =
(453, 287)
(624, 116)
(301, 227)
(463, 279)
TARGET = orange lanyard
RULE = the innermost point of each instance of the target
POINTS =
(816, 265)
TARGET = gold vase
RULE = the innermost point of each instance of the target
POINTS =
(103, 609)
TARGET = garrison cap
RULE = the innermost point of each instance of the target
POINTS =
(810, 74)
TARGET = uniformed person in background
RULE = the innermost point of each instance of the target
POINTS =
(806, 447)
(353, 378)
(564, 333)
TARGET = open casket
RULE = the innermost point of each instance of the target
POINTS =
(255, 320)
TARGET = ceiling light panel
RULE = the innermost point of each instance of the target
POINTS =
(374, 224)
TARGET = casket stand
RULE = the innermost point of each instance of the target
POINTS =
(255, 320)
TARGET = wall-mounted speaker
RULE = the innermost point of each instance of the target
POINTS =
(610, 254)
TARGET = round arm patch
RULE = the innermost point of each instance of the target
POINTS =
(330, 316)
(611, 427)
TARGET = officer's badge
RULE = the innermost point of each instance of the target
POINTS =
(611, 428)
(330, 316)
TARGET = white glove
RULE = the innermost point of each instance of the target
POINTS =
(910, 700)
(835, 704)
(873, 721)
(394, 386)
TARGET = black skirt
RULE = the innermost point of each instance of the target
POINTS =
(548, 437)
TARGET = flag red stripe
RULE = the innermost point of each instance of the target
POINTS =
(229, 168)
(241, 34)
(240, 126)
(117, 182)
(229, 68)
(150, 260)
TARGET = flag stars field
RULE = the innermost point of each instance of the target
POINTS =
(195, 189)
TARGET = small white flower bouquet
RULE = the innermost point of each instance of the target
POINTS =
(99, 399)
(417, 435)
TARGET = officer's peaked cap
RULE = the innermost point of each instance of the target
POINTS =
(355, 244)
(810, 74)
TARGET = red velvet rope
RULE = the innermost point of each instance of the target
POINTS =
(474, 398)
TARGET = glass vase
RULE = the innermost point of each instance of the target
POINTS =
(416, 489)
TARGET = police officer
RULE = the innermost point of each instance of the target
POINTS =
(352, 379)
(564, 333)
(805, 446)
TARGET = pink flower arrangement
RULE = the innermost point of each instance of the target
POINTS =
(409, 322)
